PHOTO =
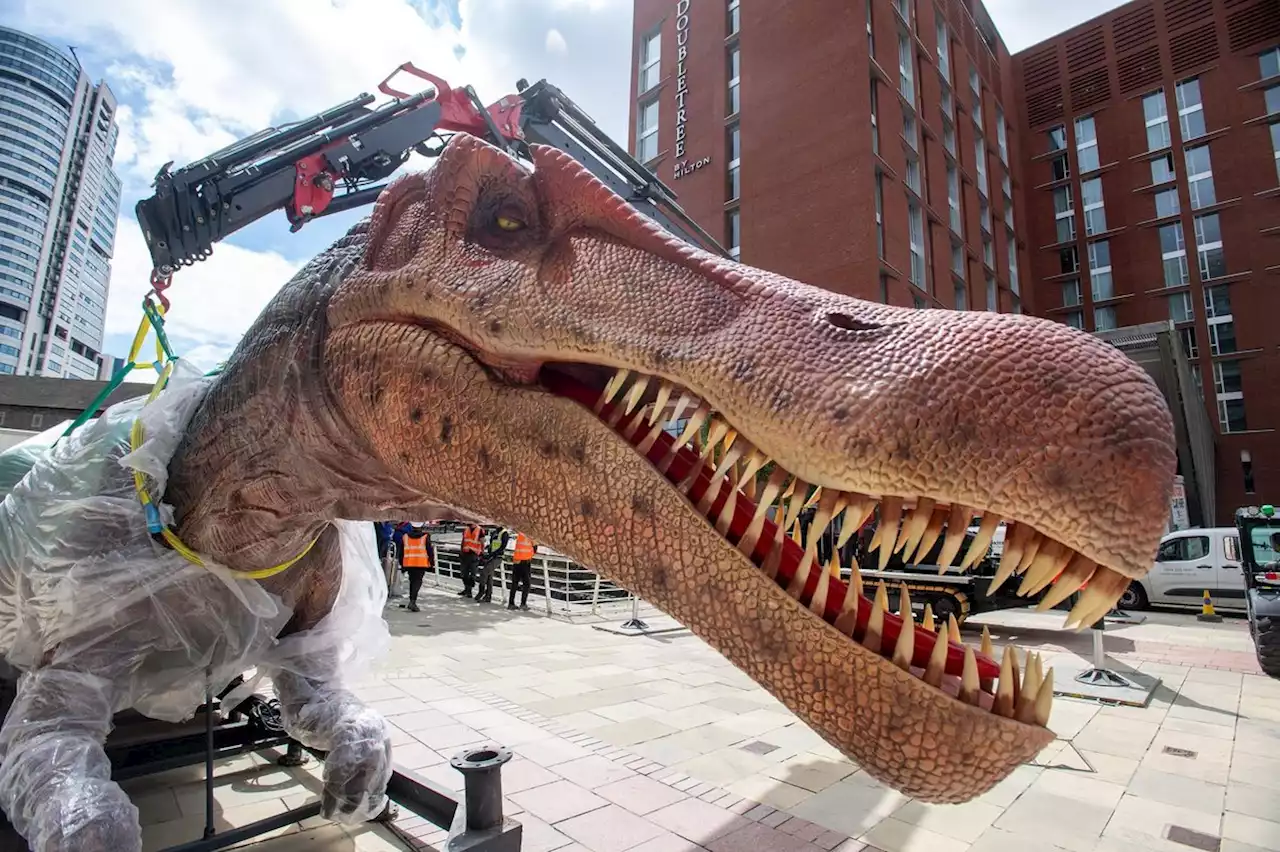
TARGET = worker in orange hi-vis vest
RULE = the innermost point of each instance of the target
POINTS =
(522, 570)
(416, 556)
(472, 544)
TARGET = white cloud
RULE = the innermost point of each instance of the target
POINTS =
(214, 301)
(556, 43)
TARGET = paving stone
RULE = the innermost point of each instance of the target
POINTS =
(639, 794)
(1139, 820)
(965, 822)
(779, 794)
(755, 837)
(892, 835)
(1253, 830)
(558, 801)
(697, 821)
(524, 774)
(852, 806)
(668, 842)
(1177, 790)
(1056, 819)
(609, 829)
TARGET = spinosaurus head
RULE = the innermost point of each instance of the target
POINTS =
(521, 344)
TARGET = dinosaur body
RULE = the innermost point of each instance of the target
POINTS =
(507, 342)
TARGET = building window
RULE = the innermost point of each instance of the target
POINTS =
(1209, 247)
(993, 296)
(1012, 245)
(944, 52)
(1269, 64)
(1095, 213)
(962, 296)
(953, 197)
(871, 37)
(1057, 138)
(910, 131)
(1222, 328)
(1100, 283)
(1180, 307)
(875, 118)
(901, 6)
(1271, 100)
(980, 158)
(733, 144)
(647, 132)
(1229, 390)
(906, 82)
(913, 174)
(957, 259)
(949, 136)
(1173, 249)
(917, 302)
(734, 71)
(1069, 261)
(1162, 170)
(1222, 337)
(1189, 344)
(988, 251)
(915, 222)
(1167, 203)
(1065, 213)
(1156, 112)
(1190, 109)
(1086, 145)
(1061, 168)
(1002, 137)
(735, 18)
(1075, 319)
(1104, 318)
(650, 61)
(879, 215)
(733, 229)
(984, 213)
(1200, 177)
(1275, 146)
(1071, 295)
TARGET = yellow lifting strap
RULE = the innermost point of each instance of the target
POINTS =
(153, 317)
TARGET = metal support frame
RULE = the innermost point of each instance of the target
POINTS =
(1099, 674)
(635, 622)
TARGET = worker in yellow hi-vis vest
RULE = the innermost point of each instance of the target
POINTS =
(417, 554)
(522, 570)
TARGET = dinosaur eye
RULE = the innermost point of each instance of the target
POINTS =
(508, 224)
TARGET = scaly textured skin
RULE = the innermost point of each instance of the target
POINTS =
(395, 377)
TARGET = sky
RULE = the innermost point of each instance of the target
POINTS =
(193, 76)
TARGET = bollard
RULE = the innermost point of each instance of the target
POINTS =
(481, 770)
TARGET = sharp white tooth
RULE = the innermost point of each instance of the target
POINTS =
(855, 577)
(1030, 552)
(683, 405)
(1029, 692)
(1008, 562)
(913, 529)
(611, 389)
(771, 489)
(822, 517)
(970, 687)
(1075, 575)
(708, 498)
(1005, 698)
(818, 606)
(730, 438)
(660, 402)
(715, 433)
(905, 650)
(890, 517)
(937, 661)
(857, 511)
(1104, 589)
(755, 460)
(727, 462)
(927, 620)
(637, 391)
(751, 489)
(797, 501)
(774, 558)
(875, 624)
(796, 587)
(1049, 562)
(986, 648)
(981, 541)
(650, 439)
(699, 416)
(1044, 701)
(930, 537)
(725, 519)
(957, 523)
(833, 566)
(848, 618)
(953, 630)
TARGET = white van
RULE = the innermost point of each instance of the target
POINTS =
(1189, 563)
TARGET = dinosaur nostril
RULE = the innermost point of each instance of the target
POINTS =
(848, 323)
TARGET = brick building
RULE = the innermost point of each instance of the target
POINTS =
(777, 123)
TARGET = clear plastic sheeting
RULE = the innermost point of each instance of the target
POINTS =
(17, 460)
(98, 613)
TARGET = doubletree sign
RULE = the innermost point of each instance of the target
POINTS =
(682, 166)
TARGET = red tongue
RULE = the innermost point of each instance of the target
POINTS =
(792, 553)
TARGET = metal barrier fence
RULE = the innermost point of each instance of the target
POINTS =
(567, 590)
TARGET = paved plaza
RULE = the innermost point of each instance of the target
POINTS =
(656, 744)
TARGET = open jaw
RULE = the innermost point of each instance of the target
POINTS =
(718, 471)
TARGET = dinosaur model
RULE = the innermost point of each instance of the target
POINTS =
(511, 342)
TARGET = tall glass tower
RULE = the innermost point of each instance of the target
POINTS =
(59, 198)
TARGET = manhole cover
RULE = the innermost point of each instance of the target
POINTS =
(759, 747)
(1194, 839)
(1179, 752)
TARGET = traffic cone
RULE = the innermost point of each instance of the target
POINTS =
(1206, 609)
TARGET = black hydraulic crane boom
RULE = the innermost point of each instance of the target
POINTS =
(339, 159)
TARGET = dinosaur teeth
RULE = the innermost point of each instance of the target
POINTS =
(932, 532)
(1005, 698)
(1075, 575)
(914, 528)
(1104, 589)
(970, 688)
(665, 390)
(937, 661)
(982, 541)
(890, 516)
(611, 389)
(927, 620)
(905, 650)
(857, 510)
(637, 391)
(957, 523)
(875, 624)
